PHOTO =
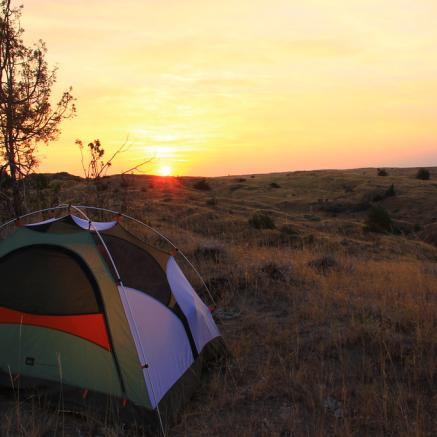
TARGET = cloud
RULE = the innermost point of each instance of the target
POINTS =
(318, 47)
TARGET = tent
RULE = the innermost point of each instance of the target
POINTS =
(90, 306)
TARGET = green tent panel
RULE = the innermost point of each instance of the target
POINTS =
(90, 306)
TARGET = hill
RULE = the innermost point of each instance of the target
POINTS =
(328, 310)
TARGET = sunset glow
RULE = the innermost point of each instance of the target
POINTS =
(215, 88)
(165, 171)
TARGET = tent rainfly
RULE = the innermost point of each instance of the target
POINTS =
(91, 306)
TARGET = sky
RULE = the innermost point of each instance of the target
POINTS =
(250, 86)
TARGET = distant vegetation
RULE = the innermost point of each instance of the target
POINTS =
(326, 297)
(423, 174)
(261, 220)
(378, 220)
(202, 185)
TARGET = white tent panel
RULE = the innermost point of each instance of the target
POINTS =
(160, 339)
(199, 317)
(44, 222)
(100, 226)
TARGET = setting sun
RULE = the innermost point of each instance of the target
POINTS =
(165, 171)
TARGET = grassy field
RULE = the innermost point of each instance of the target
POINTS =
(332, 327)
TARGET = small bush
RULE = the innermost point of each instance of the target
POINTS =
(423, 174)
(240, 180)
(261, 220)
(348, 188)
(360, 206)
(211, 202)
(202, 185)
(235, 187)
(39, 181)
(5, 180)
(273, 272)
(289, 230)
(274, 185)
(210, 252)
(101, 186)
(311, 217)
(378, 220)
(390, 191)
(324, 264)
(309, 239)
(125, 182)
(382, 172)
(335, 207)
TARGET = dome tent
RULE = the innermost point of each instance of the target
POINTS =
(90, 305)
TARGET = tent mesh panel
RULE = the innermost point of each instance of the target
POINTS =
(137, 268)
(44, 279)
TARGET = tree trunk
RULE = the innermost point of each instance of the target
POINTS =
(16, 191)
(17, 200)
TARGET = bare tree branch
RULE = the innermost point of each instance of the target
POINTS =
(138, 166)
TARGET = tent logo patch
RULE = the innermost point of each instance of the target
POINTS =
(30, 361)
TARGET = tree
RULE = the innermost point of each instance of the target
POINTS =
(27, 116)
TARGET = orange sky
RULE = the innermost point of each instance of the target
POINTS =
(234, 87)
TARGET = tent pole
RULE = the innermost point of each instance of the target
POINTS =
(32, 213)
(160, 235)
(64, 206)
(144, 364)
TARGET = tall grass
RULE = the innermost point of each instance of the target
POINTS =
(332, 331)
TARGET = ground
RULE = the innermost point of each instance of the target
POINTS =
(330, 316)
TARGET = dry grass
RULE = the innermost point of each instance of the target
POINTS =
(333, 331)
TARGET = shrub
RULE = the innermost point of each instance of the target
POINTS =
(348, 188)
(212, 201)
(125, 182)
(235, 187)
(289, 230)
(390, 191)
(261, 220)
(423, 174)
(324, 264)
(274, 272)
(335, 207)
(211, 252)
(101, 186)
(309, 239)
(202, 185)
(378, 220)
(382, 172)
(274, 185)
(360, 206)
(5, 180)
(39, 181)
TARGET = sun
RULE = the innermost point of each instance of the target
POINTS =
(165, 170)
